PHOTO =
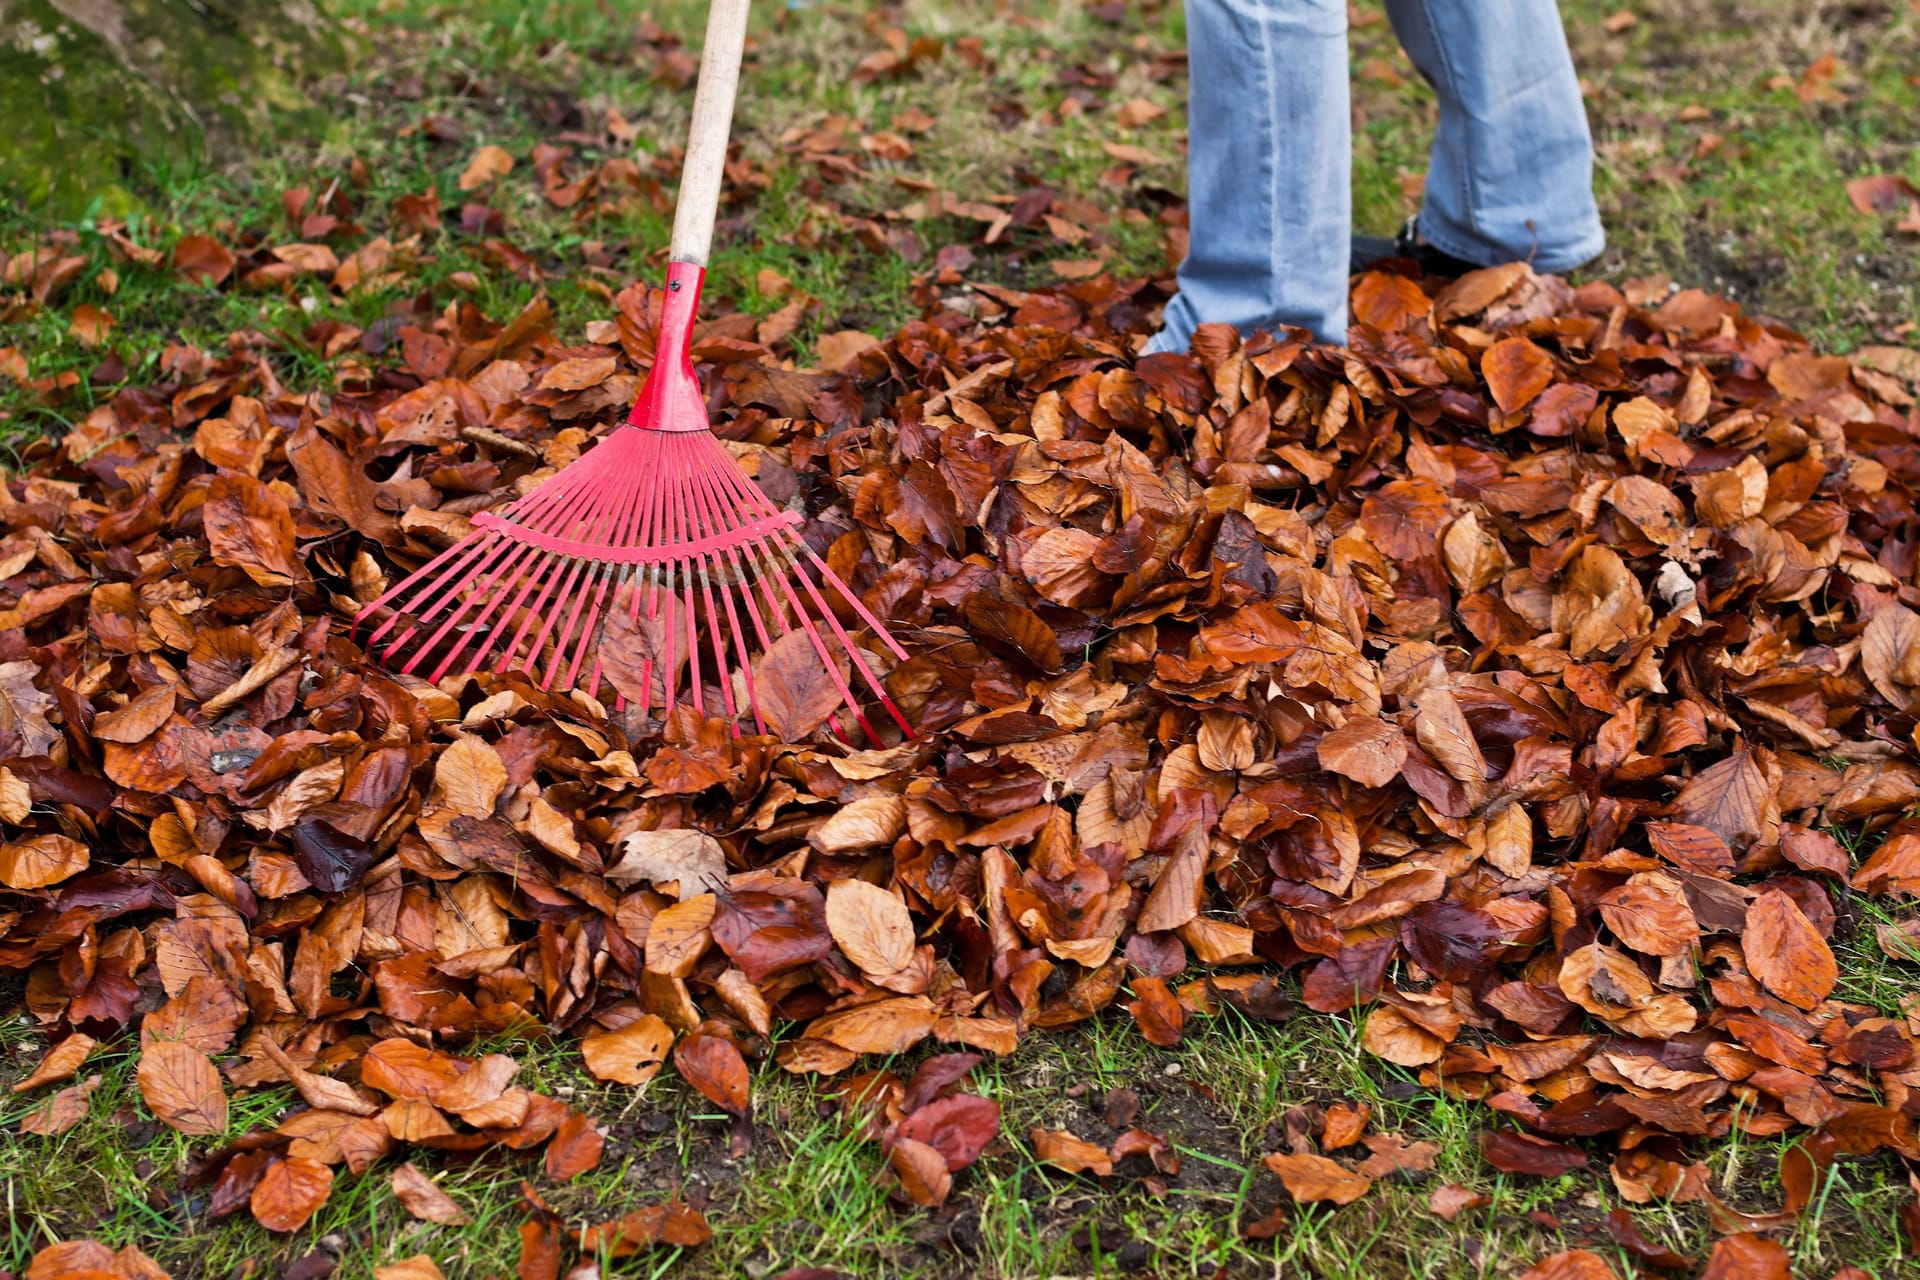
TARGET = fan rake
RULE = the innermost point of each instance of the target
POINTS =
(656, 521)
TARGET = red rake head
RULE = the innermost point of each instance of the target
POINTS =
(652, 564)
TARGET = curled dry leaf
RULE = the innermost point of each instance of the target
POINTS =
(488, 164)
(924, 1176)
(675, 1225)
(1310, 1178)
(575, 1147)
(1062, 1150)
(692, 861)
(61, 1062)
(423, 1198)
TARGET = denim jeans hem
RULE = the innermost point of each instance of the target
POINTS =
(1578, 254)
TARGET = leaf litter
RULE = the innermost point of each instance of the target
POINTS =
(1499, 676)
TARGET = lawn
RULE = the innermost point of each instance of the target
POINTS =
(877, 146)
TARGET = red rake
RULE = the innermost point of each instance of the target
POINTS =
(657, 519)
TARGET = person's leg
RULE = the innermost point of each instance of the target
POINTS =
(1268, 164)
(1512, 172)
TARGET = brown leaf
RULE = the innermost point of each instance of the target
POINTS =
(575, 1147)
(39, 861)
(470, 776)
(1344, 1125)
(61, 1063)
(1157, 1012)
(1650, 913)
(922, 1171)
(202, 261)
(290, 1192)
(1062, 1150)
(405, 1070)
(423, 1198)
(1512, 1152)
(1882, 193)
(182, 1088)
(1366, 749)
(1571, 1264)
(418, 1267)
(711, 1063)
(691, 860)
(871, 927)
(1748, 1257)
(90, 325)
(62, 1111)
(674, 1224)
(1516, 371)
(1310, 1178)
(1449, 1201)
(632, 1055)
(250, 528)
(1786, 953)
(884, 1026)
(796, 688)
(24, 729)
(1730, 798)
(138, 719)
(488, 164)
(578, 373)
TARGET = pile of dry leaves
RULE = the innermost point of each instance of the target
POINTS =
(1498, 676)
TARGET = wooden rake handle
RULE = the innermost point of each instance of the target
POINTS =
(707, 135)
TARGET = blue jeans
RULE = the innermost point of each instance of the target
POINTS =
(1270, 157)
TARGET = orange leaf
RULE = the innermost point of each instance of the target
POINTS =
(575, 1147)
(923, 1173)
(61, 1062)
(1157, 1012)
(290, 1192)
(423, 1198)
(632, 1055)
(710, 1063)
(1516, 371)
(39, 861)
(1063, 1150)
(1786, 953)
(487, 164)
(202, 260)
(1312, 1178)
(182, 1088)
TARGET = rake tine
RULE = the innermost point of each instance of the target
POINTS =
(706, 525)
(714, 522)
(616, 516)
(740, 485)
(455, 563)
(427, 603)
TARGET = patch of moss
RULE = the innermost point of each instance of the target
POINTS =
(94, 91)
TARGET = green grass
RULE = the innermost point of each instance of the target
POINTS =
(812, 1193)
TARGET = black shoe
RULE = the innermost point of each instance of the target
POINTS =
(1366, 252)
